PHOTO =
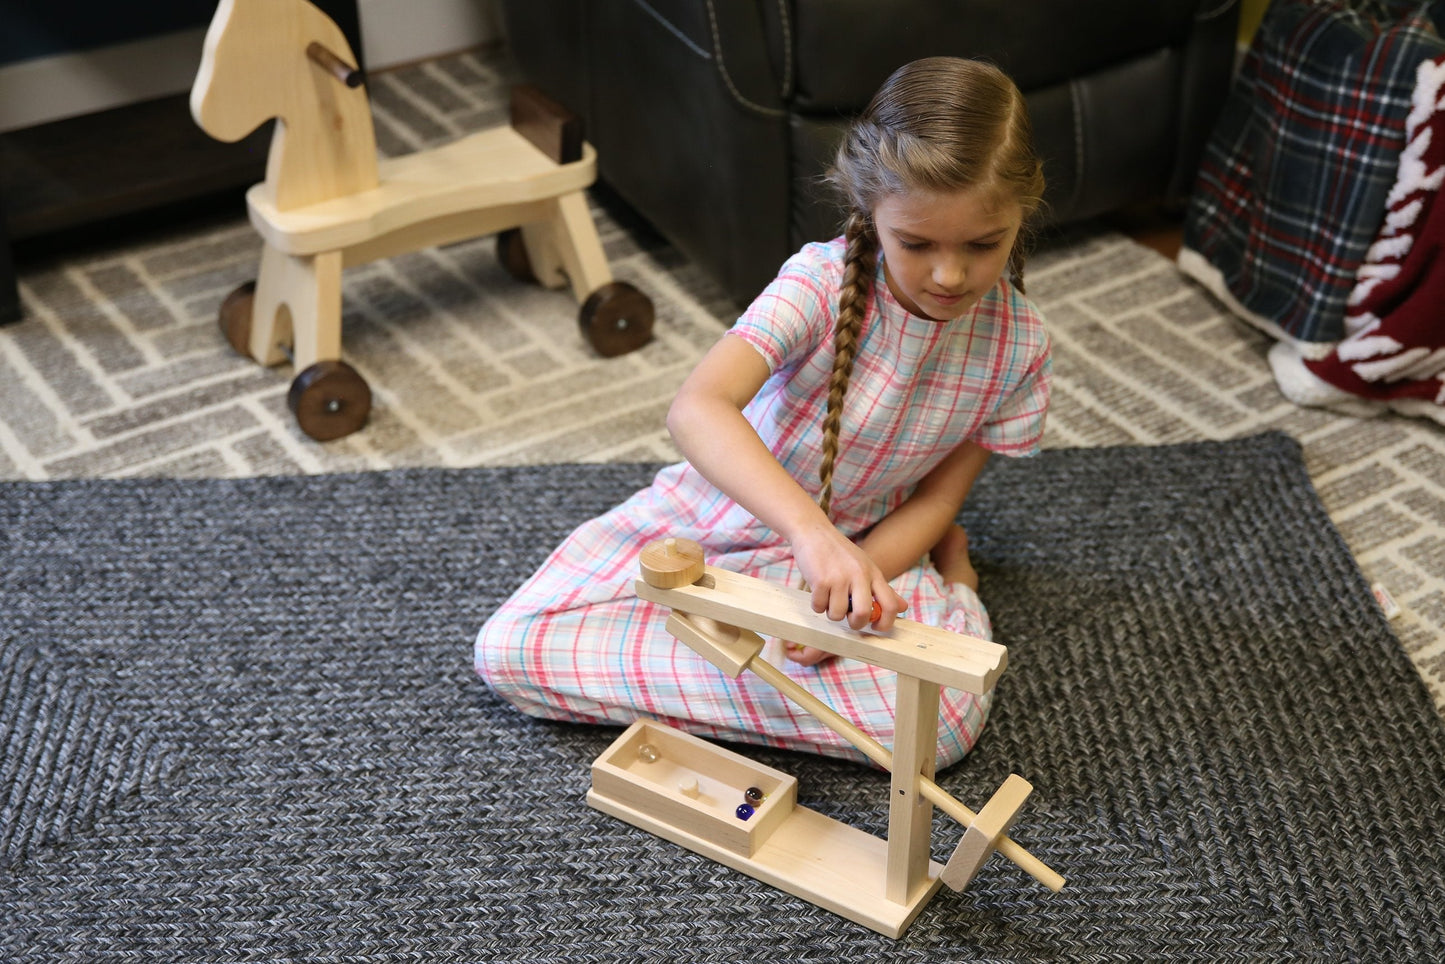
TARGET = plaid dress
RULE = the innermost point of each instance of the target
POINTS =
(575, 643)
(1293, 183)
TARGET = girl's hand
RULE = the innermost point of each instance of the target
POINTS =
(839, 572)
(805, 655)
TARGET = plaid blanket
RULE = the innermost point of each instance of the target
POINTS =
(1394, 353)
(1293, 185)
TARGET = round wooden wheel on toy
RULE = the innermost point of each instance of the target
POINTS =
(669, 563)
(330, 399)
(235, 317)
(617, 319)
(512, 253)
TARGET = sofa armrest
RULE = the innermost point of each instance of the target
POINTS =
(1207, 68)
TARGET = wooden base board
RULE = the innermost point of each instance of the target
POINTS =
(807, 854)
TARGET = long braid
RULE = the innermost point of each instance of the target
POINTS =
(1016, 266)
(859, 262)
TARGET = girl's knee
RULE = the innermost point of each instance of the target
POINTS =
(498, 654)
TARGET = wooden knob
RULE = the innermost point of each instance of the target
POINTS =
(333, 64)
(669, 563)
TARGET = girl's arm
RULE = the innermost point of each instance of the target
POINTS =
(707, 423)
(902, 537)
(917, 525)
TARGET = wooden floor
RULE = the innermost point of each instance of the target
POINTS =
(1152, 227)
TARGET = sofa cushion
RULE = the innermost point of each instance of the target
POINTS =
(844, 49)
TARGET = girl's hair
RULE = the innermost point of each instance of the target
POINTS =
(941, 124)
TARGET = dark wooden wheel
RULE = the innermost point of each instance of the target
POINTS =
(512, 253)
(329, 399)
(616, 318)
(235, 318)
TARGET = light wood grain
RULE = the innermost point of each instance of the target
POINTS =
(492, 169)
(254, 67)
(983, 835)
(926, 652)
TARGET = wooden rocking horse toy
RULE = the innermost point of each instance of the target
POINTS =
(327, 203)
(744, 815)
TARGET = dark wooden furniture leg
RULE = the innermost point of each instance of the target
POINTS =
(9, 292)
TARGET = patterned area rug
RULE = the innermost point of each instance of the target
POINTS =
(240, 723)
(119, 369)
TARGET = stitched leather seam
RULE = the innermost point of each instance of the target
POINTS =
(1211, 14)
(786, 90)
(1076, 98)
(727, 79)
(672, 29)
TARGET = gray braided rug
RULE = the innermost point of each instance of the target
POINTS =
(238, 722)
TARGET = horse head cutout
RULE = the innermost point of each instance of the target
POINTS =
(254, 67)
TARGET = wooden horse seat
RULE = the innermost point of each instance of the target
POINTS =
(497, 172)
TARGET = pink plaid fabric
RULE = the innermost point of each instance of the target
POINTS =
(575, 643)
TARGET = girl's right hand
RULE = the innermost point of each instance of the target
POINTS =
(844, 580)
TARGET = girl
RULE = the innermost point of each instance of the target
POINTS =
(831, 437)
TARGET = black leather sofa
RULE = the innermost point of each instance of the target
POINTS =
(715, 118)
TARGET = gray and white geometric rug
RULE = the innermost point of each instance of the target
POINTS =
(119, 370)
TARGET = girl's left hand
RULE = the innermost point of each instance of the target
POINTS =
(805, 655)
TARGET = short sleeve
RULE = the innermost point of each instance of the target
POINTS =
(794, 313)
(1016, 427)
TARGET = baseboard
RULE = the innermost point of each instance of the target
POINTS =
(67, 85)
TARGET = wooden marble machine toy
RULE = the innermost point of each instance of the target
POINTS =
(745, 815)
(327, 203)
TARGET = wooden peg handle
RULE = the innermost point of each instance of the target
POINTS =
(669, 563)
(333, 65)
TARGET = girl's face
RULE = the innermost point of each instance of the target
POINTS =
(942, 252)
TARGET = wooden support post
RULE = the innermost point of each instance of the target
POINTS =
(543, 258)
(578, 245)
(298, 302)
(910, 814)
(316, 311)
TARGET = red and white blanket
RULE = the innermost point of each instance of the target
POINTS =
(1393, 354)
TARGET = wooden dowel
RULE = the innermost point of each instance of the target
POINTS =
(880, 755)
(333, 64)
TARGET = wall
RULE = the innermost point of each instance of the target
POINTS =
(1250, 13)
(108, 60)
(46, 29)
(401, 31)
